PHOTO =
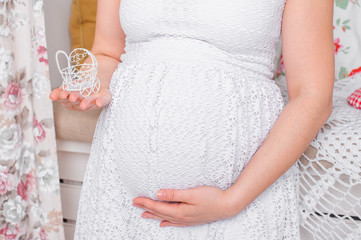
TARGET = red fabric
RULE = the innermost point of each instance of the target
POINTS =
(355, 99)
(353, 72)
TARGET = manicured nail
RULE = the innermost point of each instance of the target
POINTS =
(161, 194)
(136, 205)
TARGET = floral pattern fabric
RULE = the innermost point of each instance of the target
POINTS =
(30, 206)
(347, 39)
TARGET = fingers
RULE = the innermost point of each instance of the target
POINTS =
(75, 97)
(55, 94)
(76, 102)
(156, 215)
(147, 214)
(77, 108)
(71, 107)
(166, 223)
(88, 102)
(175, 195)
(64, 95)
(99, 100)
(103, 100)
(170, 210)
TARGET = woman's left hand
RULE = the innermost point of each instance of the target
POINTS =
(192, 206)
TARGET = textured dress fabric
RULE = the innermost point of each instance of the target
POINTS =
(192, 101)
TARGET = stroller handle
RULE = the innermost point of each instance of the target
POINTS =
(57, 59)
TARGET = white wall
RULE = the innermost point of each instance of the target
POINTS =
(57, 14)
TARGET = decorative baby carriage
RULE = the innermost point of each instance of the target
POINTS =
(79, 75)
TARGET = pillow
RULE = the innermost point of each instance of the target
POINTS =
(82, 23)
(355, 99)
(347, 40)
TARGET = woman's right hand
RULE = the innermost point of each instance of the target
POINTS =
(76, 102)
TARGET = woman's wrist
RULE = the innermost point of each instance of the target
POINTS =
(233, 201)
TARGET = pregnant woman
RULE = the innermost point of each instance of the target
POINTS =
(194, 141)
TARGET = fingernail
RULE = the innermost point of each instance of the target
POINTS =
(161, 194)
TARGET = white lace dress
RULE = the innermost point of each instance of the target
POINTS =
(193, 100)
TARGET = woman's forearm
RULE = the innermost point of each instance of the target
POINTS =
(106, 68)
(296, 126)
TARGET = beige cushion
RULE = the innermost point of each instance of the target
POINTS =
(74, 125)
(82, 23)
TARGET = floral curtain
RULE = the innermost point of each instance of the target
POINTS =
(30, 206)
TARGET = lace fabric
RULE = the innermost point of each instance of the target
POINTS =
(330, 170)
(186, 111)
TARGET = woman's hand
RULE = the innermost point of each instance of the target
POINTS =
(76, 102)
(192, 206)
(108, 46)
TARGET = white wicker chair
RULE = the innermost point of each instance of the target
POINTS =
(330, 170)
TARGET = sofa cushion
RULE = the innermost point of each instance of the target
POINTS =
(82, 23)
(74, 125)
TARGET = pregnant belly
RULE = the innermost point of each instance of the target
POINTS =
(181, 126)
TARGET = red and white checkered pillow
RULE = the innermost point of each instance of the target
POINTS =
(355, 99)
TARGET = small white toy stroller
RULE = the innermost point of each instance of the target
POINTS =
(79, 76)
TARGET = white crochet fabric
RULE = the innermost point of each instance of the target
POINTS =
(330, 170)
(192, 101)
